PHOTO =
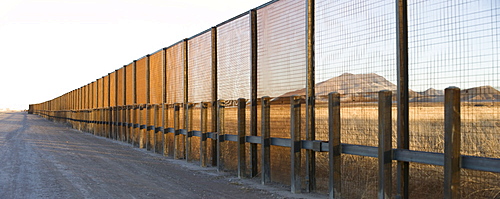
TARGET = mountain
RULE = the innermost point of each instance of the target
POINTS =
(353, 87)
(431, 92)
(475, 94)
(481, 93)
(365, 88)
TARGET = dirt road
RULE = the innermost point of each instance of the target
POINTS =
(42, 159)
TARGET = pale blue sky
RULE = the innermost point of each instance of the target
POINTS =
(50, 47)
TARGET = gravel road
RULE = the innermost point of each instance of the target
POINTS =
(42, 159)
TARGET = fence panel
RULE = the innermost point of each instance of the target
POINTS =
(281, 56)
(156, 77)
(175, 74)
(455, 43)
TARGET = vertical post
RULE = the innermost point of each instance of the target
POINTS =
(403, 141)
(109, 116)
(94, 106)
(253, 86)
(177, 141)
(385, 144)
(150, 140)
(334, 147)
(188, 126)
(133, 132)
(265, 141)
(103, 113)
(241, 137)
(117, 110)
(165, 117)
(155, 125)
(295, 156)
(452, 143)
(214, 93)
(203, 142)
(141, 131)
(187, 117)
(125, 110)
(134, 111)
(220, 134)
(310, 99)
(163, 99)
(129, 120)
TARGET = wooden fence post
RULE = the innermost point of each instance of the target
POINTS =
(241, 137)
(177, 141)
(385, 144)
(265, 141)
(128, 121)
(188, 125)
(143, 121)
(253, 97)
(310, 98)
(452, 143)
(155, 125)
(203, 139)
(165, 131)
(295, 156)
(403, 132)
(214, 93)
(220, 134)
(334, 147)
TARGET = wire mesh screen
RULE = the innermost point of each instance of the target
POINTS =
(83, 97)
(356, 57)
(156, 77)
(106, 91)
(281, 48)
(100, 93)
(86, 96)
(281, 71)
(175, 74)
(455, 43)
(200, 68)
(141, 84)
(129, 86)
(92, 91)
(112, 89)
(120, 87)
(233, 59)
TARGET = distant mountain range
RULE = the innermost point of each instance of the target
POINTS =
(365, 88)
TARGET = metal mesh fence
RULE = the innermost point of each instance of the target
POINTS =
(281, 48)
(106, 88)
(120, 75)
(450, 43)
(175, 71)
(200, 68)
(112, 89)
(130, 84)
(233, 59)
(141, 80)
(100, 93)
(360, 63)
(156, 77)
(455, 43)
(280, 70)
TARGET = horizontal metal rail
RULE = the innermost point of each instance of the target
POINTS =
(423, 157)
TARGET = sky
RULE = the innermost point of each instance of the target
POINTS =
(50, 47)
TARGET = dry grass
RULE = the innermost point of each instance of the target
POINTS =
(480, 125)
(480, 137)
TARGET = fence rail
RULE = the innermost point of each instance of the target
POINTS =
(291, 90)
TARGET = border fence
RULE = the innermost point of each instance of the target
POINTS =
(350, 98)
